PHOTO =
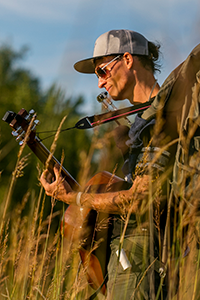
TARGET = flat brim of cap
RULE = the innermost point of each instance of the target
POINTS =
(88, 65)
(85, 66)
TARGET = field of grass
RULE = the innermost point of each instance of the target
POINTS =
(38, 264)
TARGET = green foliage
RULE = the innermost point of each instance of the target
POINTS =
(19, 88)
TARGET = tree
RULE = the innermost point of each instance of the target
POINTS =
(20, 88)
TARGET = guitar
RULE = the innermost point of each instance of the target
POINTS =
(82, 228)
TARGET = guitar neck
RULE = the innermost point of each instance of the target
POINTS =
(43, 153)
(20, 122)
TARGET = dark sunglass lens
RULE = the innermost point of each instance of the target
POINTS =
(100, 72)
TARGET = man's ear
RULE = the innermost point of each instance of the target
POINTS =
(128, 59)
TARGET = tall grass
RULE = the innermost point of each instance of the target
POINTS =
(36, 264)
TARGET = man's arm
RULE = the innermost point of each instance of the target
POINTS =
(111, 202)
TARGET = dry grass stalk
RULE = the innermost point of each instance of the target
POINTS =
(43, 270)
(53, 146)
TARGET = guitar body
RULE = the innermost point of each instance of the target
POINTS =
(93, 229)
(89, 228)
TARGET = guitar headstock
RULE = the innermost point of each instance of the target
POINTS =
(20, 123)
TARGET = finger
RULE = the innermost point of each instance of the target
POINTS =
(49, 178)
(57, 166)
(43, 177)
(57, 172)
(46, 177)
(44, 174)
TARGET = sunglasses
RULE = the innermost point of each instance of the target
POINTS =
(105, 73)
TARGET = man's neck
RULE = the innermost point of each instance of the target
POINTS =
(144, 84)
(143, 92)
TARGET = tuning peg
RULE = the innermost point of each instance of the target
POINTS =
(102, 96)
(31, 112)
(30, 115)
(15, 133)
(21, 143)
(36, 122)
(21, 135)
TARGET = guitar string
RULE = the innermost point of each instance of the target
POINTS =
(52, 131)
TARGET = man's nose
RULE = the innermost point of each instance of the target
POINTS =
(101, 82)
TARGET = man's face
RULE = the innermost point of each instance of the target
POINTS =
(115, 78)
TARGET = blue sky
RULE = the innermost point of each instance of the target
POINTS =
(60, 32)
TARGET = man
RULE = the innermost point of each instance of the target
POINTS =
(125, 62)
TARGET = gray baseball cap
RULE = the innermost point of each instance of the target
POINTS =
(114, 42)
